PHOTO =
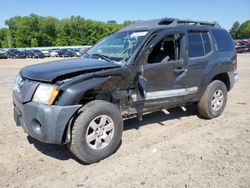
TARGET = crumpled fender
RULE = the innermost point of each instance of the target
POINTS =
(73, 94)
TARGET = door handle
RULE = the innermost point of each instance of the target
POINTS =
(179, 70)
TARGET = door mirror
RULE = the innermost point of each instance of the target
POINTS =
(150, 49)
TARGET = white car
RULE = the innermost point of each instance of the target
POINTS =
(46, 53)
(54, 53)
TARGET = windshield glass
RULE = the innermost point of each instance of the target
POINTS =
(117, 47)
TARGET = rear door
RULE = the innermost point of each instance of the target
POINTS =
(199, 50)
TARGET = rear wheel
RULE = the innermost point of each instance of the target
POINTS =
(214, 100)
(97, 131)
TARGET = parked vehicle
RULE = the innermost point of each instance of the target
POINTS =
(3, 54)
(28, 53)
(65, 53)
(46, 53)
(145, 67)
(84, 51)
(244, 42)
(241, 48)
(36, 54)
(15, 53)
(76, 52)
(54, 53)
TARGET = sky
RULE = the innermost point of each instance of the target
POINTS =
(226, 12)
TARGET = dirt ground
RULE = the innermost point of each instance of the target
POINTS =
(176, 150)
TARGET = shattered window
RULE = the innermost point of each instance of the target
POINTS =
(119, 46)
(168, 49)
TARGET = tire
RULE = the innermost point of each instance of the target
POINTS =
(86, 151)
(214, 100)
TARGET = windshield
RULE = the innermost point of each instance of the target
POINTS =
(118, 47)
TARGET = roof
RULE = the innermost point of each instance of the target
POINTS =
(167, 22)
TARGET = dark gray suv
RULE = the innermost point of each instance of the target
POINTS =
(145, 67)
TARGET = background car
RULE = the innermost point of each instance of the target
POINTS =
(46, 53)
(36, 54)
(54, 53)
(242, 46)
(65, 53)
(3, 54)
(76, 51)
(15, 53)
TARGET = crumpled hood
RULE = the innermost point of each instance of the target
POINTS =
(49, 72)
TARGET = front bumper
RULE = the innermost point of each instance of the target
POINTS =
(42, 122)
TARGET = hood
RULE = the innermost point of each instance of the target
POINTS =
(49, 72)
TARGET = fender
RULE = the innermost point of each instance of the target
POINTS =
(223, 66)
(73, 94)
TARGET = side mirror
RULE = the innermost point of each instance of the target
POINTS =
(150, 49)
(145, 55)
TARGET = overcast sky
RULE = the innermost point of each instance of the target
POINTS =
(223, 11)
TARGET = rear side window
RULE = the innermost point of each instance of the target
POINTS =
(223, 40)
(195, 45)
(206, 42)
(198, 44)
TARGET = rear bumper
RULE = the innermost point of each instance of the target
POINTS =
(234, 77)
(42, 122)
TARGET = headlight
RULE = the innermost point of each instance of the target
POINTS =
(46, 94)
(18, 83)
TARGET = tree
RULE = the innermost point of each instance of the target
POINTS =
(23, 29)
(128, 22)
(111, 22)
(34, 43)
(244, 30)
(3, 37)
(38, 31)
(47, 31)
(234, 30)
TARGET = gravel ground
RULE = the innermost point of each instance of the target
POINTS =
(176, 150)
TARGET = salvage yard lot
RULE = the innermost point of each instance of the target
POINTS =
(175, 150)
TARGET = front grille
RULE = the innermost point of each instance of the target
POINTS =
(24, 89)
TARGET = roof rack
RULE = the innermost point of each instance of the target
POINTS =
(167, 22)
(172, 21)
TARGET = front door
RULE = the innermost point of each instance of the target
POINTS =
(165, 71)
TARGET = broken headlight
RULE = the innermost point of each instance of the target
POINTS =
(46, 94)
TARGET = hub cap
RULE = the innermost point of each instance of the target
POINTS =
(100, 132)
(217, 100)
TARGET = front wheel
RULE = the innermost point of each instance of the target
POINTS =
(214, 100)
(96, 132)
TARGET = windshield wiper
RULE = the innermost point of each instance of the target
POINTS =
(103, 57)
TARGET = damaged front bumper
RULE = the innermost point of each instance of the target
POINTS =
(42, 122)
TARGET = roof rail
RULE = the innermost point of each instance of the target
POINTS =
(173, 21)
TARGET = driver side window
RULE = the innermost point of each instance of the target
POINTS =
(168, 49)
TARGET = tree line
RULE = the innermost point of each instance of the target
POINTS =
(240, 31)
(39, 31)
